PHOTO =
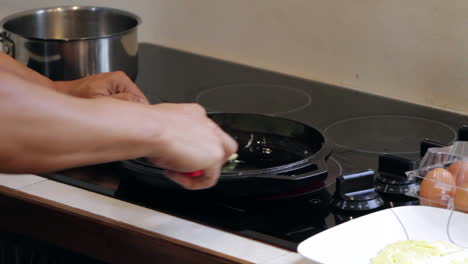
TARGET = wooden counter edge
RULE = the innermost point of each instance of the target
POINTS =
(94, 235)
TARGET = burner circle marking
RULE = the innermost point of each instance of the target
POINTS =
(254, 98)
(391, 134)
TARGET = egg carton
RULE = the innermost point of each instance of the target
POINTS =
(443, 173)
(443, 177)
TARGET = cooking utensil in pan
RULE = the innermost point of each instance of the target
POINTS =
(275, 155)
(193, 173)
(232, 158)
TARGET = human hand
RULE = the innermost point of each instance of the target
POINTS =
(113, 84)
(190, 141)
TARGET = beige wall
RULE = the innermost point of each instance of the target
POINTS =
(414, 50)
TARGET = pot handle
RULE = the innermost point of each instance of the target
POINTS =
(321, 168)
(7, 45)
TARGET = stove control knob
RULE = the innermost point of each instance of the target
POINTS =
(463, 133)
(355, 192)
(392, 178)
(426, 144)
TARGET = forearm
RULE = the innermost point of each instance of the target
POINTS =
(11, 66)
(115, 84)
(45, 131)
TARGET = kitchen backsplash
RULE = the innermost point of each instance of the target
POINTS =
(413, 50)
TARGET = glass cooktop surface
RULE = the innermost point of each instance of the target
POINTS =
(369, 134)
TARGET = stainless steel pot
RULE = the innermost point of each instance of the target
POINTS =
(67, 43)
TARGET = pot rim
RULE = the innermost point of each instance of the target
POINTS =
(66, 8)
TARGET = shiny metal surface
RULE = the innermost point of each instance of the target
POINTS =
(66, 43)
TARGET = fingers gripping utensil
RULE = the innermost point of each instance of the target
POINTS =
(198, 172)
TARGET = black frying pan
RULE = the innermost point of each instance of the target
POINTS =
(276, 155)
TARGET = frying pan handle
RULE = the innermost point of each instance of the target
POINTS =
(321, 168)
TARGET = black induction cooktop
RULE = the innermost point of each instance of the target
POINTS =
(374, 140)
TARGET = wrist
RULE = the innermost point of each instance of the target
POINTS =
(131, 130)
(61, 86)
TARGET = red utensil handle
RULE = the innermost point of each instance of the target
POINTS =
(193, 173)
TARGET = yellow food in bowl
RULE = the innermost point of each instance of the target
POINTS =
(414, 252)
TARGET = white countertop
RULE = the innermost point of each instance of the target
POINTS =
(151, 220)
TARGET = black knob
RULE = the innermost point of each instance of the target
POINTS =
(355, 192)
(427, 144)
(394, 167)
(463, 133)
(392, 178)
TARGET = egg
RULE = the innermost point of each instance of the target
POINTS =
(437, 188)
(461, 198)
(459, 170)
